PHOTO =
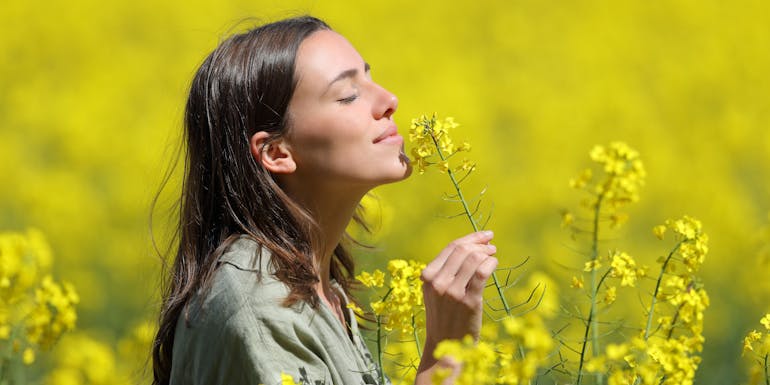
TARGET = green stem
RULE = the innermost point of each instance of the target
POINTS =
(767, 375)
(416, 338)
(657, 288)
(588, 327)
(379, 349)
(594, 287)
(469, 215)
(593, 323)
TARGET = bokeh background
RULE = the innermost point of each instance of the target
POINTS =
(91, 98)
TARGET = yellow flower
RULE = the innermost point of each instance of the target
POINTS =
(577, 283)
(621, 377)
(356, 309)
(466, 165)
(581, 180)
(476, 359)
(433, 145)
(623, 176)
(617, 219)
(403, 302)
(659, 231)
(765, 321)
(287, 379)
(526, 348)
(592, 265)
(28, 357)
(375, 279)
(596, 364)
(624, 267)
(616, 352)
(749, 340)
(610, 295)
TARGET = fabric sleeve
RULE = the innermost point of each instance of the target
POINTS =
(240, 341)
(280, 343)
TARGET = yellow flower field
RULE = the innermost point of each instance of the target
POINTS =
(91, 99)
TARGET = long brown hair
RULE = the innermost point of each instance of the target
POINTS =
(244, 86)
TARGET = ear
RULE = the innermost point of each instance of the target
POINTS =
(275, 156)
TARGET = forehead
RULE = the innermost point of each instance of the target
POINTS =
(323, 55)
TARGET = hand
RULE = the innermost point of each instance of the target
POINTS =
(453, 284)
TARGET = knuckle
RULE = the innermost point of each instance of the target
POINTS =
(440, 286)
(481, 275)
(456, 294)
(478, 257)
(463, 248)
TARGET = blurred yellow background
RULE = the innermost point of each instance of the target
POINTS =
(92, 94)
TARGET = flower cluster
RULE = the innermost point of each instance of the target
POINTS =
(34, 310)
(693, 243)
(528, 349)
(646, 362)
(674, 346)
(81, 359)
(757, 345)
(53, 314)
(522, 348)
(622, 267)
(623, 175)
(666, 351)
(402, 304)
(476, 359)
(434, 146)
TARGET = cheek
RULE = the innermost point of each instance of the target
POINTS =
(329, 140)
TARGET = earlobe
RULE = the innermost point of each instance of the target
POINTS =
(274, 155)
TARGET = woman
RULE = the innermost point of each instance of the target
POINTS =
(286, 132)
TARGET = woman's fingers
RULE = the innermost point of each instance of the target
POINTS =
(459, 266)
(443, 263)
(469, 271)
(479, 281)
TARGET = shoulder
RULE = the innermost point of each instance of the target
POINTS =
(242, 324)
(243, 286)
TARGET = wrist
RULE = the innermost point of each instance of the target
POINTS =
(429, 366)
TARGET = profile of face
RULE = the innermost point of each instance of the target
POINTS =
(341, 129)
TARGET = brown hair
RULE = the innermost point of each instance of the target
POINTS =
(244, 86)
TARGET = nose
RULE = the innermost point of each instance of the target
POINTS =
(385, 105)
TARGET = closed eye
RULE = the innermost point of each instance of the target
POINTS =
(349, 99)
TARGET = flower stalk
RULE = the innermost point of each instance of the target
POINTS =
(469, 215)
(431, 139)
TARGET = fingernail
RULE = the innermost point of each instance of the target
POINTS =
(488, 233)
(492, 248)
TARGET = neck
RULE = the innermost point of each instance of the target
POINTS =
(332, 209)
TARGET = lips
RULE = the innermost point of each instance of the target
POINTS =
(389, 132)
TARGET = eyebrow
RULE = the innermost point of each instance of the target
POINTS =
(347, 74)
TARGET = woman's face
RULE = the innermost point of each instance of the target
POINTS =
(341, 128)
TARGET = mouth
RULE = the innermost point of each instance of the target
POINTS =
(389, 135)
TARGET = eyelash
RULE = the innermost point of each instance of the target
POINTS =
(349, 99)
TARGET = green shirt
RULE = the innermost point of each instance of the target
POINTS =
(244, 335)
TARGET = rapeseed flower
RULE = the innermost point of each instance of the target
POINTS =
(402, 304)
(624, 267)
(477, 360)
(623, 175)
(433, 145)
(757, 345)
(34, 309)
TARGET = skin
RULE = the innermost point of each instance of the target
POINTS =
(342, 143)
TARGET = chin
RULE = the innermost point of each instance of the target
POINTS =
(404, 171)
